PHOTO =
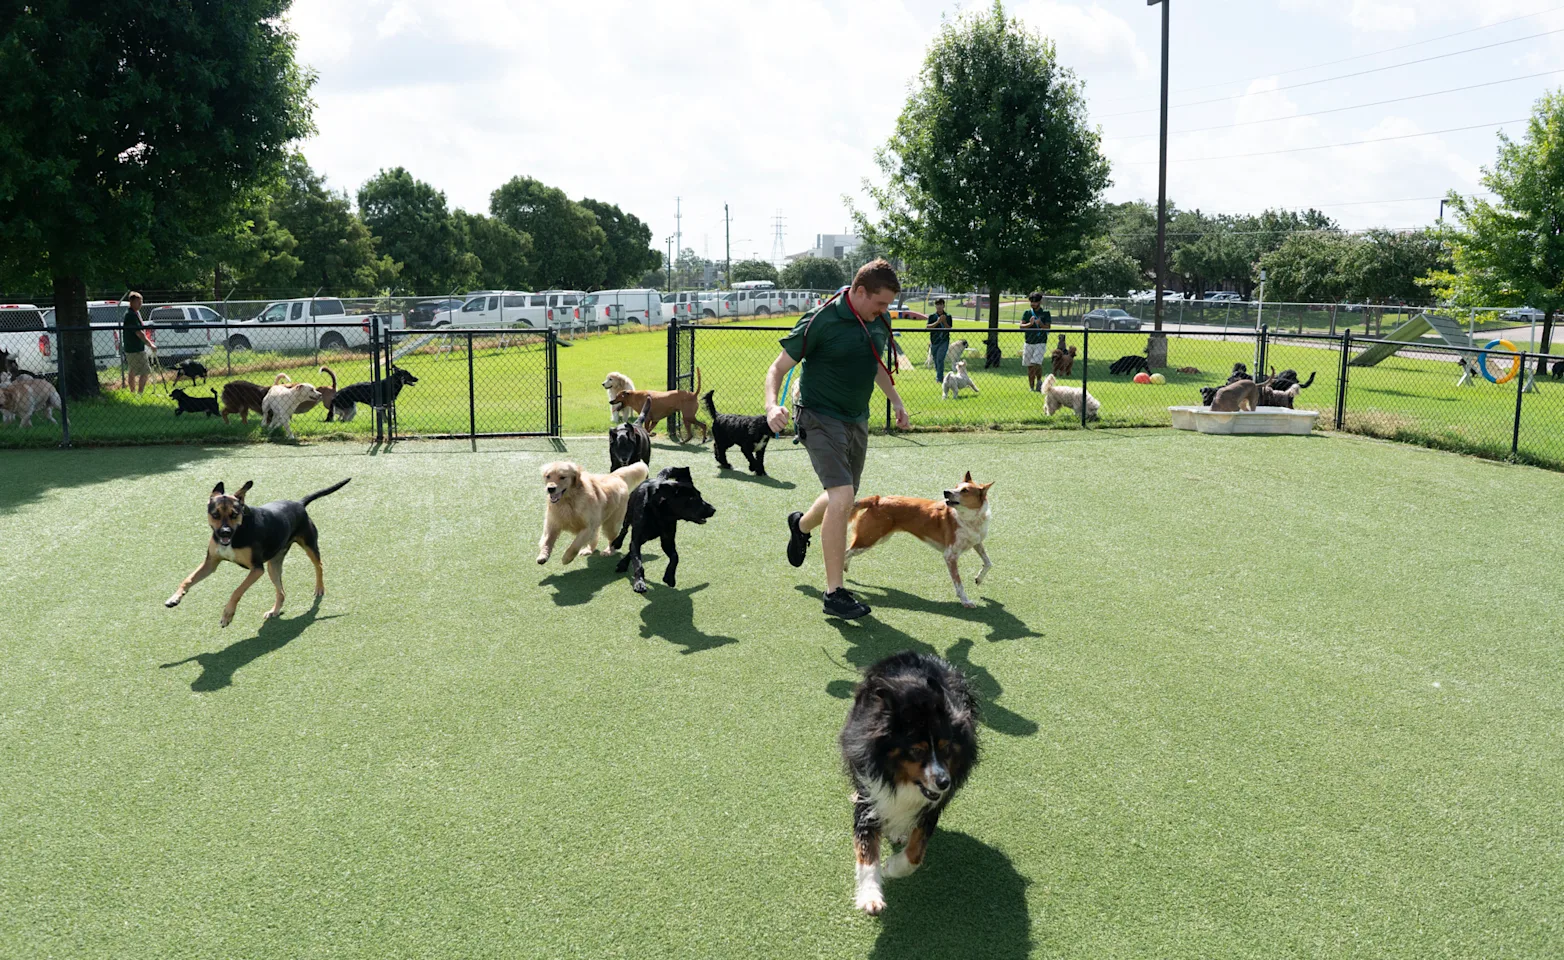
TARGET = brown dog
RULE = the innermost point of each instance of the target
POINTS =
(241, 397)
(1238, 395)
(664, 404)
(1063, 358)
(1271, 397)
(954, 525)
(327, 394)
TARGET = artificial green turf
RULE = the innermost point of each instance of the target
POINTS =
(1310, 710)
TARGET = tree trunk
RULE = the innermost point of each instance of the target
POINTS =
(993, 323)
(1547, 342)
(73, 338)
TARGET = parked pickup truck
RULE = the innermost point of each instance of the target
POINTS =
(183, 330)
(259, 332)
(27, 334)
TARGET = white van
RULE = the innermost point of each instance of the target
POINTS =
(639, 305)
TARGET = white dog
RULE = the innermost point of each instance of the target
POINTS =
(1056, 396)
(283, 400)
(955, 380)
(617, 383)
(585, 504)
(20, 399)
(954, 352)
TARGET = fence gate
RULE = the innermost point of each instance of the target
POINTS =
(681, 363)
(470, 383)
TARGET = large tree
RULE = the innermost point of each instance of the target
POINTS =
(994, 168)
(567, 242)
(336, 250)
(627, 250)
(814, 273)
(413, 227)
(753, 270)
(503, 255)
(128, 131)
(1510, 251)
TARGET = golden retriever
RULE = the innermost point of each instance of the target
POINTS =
(585, 504)
(616, 383)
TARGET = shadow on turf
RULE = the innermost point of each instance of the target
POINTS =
(747, 477)
(669, 614)
(218, 669)
(574, 586)
(53, 469)
(967, 901)
(870, 641)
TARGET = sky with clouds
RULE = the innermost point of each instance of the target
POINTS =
(778, 105)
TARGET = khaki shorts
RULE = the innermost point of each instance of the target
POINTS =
(1035, 354)
(836, 448)
(138, 364)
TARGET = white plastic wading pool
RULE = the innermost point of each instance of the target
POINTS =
(1262, 420)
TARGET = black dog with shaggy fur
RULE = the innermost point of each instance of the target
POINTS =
(749, 434)
(656, 507)
(909, 744)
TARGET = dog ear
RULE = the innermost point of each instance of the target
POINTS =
(244, 490)
(217, 491)
(967, 478)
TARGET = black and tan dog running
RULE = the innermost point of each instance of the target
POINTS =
(257, 538)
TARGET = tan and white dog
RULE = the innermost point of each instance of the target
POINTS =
(616, 383)
(952, 526)
(955, 381)
(585, 504)
(20, 399)
(283, 400)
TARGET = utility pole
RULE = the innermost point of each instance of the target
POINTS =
(669, 278)
(678, 224)
(727, 246)
(1157, 345)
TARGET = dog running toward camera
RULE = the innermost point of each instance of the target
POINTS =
(282, 401)
(189, 404)
(665, 403)
(21, 399)
(585, 504)
(1056, 395)
(955, 380)
(345, 404)
(629, 443)
(750, 434)
(615, 384)
(656, 507)
(953, 526)
(909, 743)
(257, 539)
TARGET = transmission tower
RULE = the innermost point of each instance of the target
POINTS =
(778, 246)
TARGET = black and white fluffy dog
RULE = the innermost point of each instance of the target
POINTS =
(656, 507)
(909, 743)
(345, 403)
(1129, 364)
(750, 434)
(629, 442)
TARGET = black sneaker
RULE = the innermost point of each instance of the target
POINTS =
(841, 603)
(798, 540)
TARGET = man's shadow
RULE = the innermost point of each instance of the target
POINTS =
(870, 641)
(576, 585)
(1001, 623)
(217, 669)
(967, 901)
(669, 613)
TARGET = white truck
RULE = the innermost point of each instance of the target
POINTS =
(282, 327)
(183, 330)
(640, 305)
(28, 336)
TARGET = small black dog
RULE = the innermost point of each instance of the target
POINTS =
(993, 357)
(909, 744)
(1288, 377)
(629, 442)
(189, 404)
(750, 434)
(1558, 370)
(1240, 372)
(1206, 393)
(189, 370)
(1131, 364)
(656, 507)
(345, 403)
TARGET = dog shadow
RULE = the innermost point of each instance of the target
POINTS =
(968, 901)
(218, 669)
(1001, 623)
(870, 641)
(733, 473)
(576, 585)
(669, 614)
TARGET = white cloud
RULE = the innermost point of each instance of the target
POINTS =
(1087, 37)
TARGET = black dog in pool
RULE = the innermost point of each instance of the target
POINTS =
(656, 507)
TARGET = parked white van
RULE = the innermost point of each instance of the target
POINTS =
(639, 305)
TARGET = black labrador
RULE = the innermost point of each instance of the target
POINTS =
(656, 507)
(629, 442)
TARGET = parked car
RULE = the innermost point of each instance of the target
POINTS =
(183, 330)
(261, 332)
(503, 308)
(640, 305)
(1223, 296)
(564, 309)
(1523, 315)
(684, 306)
(1111, 319)
(432, 313)
(716, 304)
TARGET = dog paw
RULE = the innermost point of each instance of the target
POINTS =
(226, 620)
(967, 603)
(542, 558)
(271, 614)
(670, 581)
(870, 902)
(173, 601)
(638, 586)
(898, 866)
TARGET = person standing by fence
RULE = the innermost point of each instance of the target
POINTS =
(939, 339)
(840, 346)
(135, 341)
(1034, 353)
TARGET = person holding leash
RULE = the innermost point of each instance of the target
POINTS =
(939, 339)
(840, 346)
(135, 341)
(1035, 321)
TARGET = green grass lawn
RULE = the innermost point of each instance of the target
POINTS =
(1304, 710)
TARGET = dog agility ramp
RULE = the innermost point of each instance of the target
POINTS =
(410, 345)
(1407, 332)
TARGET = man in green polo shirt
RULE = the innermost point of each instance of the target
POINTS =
(841, 347)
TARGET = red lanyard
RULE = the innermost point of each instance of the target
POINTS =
(849, 301)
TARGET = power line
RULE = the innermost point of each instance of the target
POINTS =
(1344, 76)
(1360, 56)
(1332, 146)
(1360, 106)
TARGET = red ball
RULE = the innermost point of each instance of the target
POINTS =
(1142, 378)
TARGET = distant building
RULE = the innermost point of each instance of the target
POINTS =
(835, 245)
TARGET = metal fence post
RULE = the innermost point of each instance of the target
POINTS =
(890, 364)
(551, 363)
(1260, 349)
(1086, 366)
(1341, 380)
(472, 404)
(374, 374)
(1520, 392)
(673, 354)
(65, 388)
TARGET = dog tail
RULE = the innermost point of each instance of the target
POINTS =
(281, 378)
(865, 504)
(711, 408)
(1305, 385)
(697, 380)
(332, 374)
(324, 493)
(1048, 383)
(633, 474)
